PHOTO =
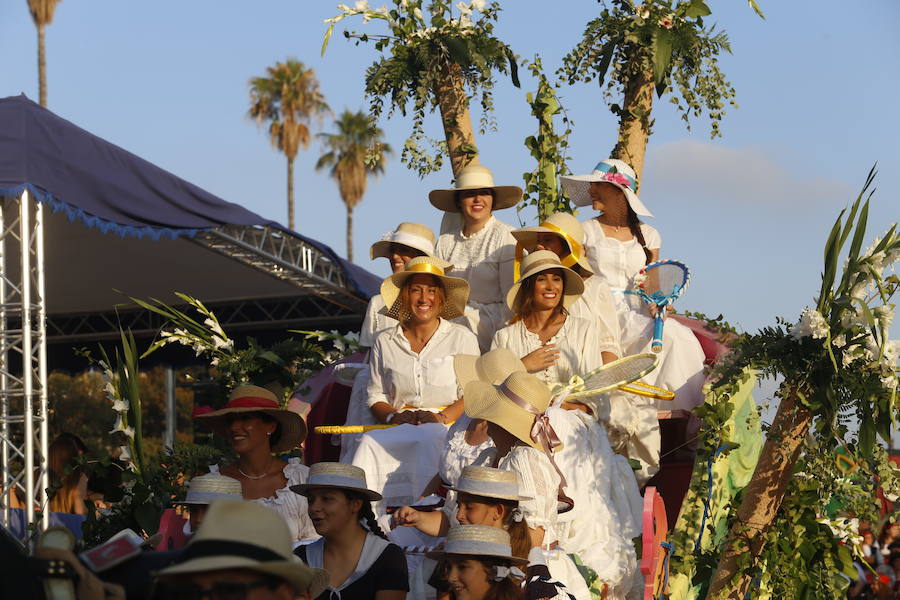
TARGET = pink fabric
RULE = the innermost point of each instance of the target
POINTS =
(171, 526)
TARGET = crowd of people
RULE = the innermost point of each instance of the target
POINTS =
(485, 482)
(878, 569)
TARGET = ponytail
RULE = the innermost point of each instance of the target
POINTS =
(519, 538)
(634, 224)
(366, 514)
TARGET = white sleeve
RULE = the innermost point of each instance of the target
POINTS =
(367, 332)
(537, 479)
(652, 237)
(375, 391)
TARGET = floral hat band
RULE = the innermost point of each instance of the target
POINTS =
(613, 175)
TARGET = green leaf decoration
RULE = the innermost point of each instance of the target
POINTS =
(662, 54)
(697, 8)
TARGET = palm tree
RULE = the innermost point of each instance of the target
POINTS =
(42, 15)
(287, 98)
(353, 153)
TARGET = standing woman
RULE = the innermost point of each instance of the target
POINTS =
(362, 563)
(257, 427)
(412, 383)
(482, 250)
(618, 245)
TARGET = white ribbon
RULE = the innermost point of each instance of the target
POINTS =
(502, 572)
(518, 514)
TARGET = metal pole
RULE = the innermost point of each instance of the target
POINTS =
(27, 371)
(7, 486)
(42, 361)
(171, 409)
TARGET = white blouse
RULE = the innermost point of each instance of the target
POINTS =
(596, 304)
(400, 377)
(614, 261)
(484, 259)
(375, 321)
(538, 479)
(578, 342)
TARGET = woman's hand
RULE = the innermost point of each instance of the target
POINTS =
(653, 309)
(541, 358)
(426, 416)
(405, 516)
(404, 417)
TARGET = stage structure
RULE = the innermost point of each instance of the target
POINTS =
(84, 225)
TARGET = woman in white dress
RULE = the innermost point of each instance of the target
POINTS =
(618, 245)
(400, 246)
(257, 426)
(555, 346)
(482, 249)
(412, 383)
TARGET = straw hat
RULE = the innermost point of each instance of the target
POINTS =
(538, 262)
(415, 236)
(336, 475)
(456, 289)
(518, 405)
(246, 535)
(205, 489)
(252, 398)
(492, 367)
(488, 482)
(478, 541)
(476, 177)
(565, 226)
(613, 171)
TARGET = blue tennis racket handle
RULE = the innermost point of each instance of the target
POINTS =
(657, 343)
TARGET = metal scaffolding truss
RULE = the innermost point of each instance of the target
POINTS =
(23, 357)
(286, 257)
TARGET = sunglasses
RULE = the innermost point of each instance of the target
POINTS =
(223, 590)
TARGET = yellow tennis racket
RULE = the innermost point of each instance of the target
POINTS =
(615, 374)
(639, 388)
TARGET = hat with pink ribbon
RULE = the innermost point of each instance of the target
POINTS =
(612, 171)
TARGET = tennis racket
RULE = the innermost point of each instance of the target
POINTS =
(639, 388)
(617, 373)
(660, 283)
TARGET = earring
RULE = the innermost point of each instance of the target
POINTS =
(268, 433)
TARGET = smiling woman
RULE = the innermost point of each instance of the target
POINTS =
(257, 426)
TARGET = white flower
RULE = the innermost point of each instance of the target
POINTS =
(839, 341)
(129, 431)
(478, 5)
(889, 382)
(464, 9)
(382, 10)
(120, 406)
(214, 362)
(417, 13)
(361, 5)
(465, 22)
(119, 426)
(846, 530)
(124, 454)
(222, 344)
(643, 12)
(811, 323)
(885, 315)
(353, 335)
(343, 7)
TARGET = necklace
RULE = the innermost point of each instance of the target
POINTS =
(610, 225)
(255, 477)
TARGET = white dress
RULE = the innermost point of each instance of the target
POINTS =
(374, 322)
(401, 461)
(596, 304)
(485, 260)
(290, 505)
(607, 509)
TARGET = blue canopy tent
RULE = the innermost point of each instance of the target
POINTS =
(106, 225)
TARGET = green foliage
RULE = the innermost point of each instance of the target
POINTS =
(548, 148)
(422, 49)
(667, 38)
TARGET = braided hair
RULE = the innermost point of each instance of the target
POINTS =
(634, 224)
(366, 514)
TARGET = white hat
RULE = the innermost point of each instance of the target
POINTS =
(415, 236)
(488, 482)
(336, 475)
(245, 535)
(205, 489)
(476, 177)
(477, 541)
(612, 171)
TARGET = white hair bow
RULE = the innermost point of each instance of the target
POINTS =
(501, 572)
(518, 514)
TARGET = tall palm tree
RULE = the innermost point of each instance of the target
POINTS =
(288, 98)
(42, 15)
(353, 153)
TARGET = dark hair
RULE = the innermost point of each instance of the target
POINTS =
(366, 513)
(634, 224)
(505, 589)
(405, 312)
(416, 251)
(525, 304)
(64, 471)
(457, 197)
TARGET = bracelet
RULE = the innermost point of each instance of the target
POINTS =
(390, 417)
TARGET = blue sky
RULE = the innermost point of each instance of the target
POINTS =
(749, 212)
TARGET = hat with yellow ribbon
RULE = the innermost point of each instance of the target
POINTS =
(568, 229)
(456, 290)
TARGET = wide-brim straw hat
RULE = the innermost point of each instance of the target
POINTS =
(488, 482)
(564, 226)
(493, 367)
(206, 489)
(456, 289)
(538, 262)
(612, 171)
(476, 177)
(336, 475)
(252, 398)
(415, 236)
(477, 541)
(505, 404)
(245, 535)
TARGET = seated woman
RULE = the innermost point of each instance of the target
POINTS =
(412, 383)
(479, 565)
(525, 444)
(400, 246)
(361, 563)
(256, 425)
(481, 250)
(618, 245)
(556, 346)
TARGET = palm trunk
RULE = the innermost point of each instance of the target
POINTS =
(762, 497)
(349, 234)
(458, 131)
(42, 67)
(634, 122)
(290, 192)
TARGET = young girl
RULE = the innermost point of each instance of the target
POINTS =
(362, 564)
